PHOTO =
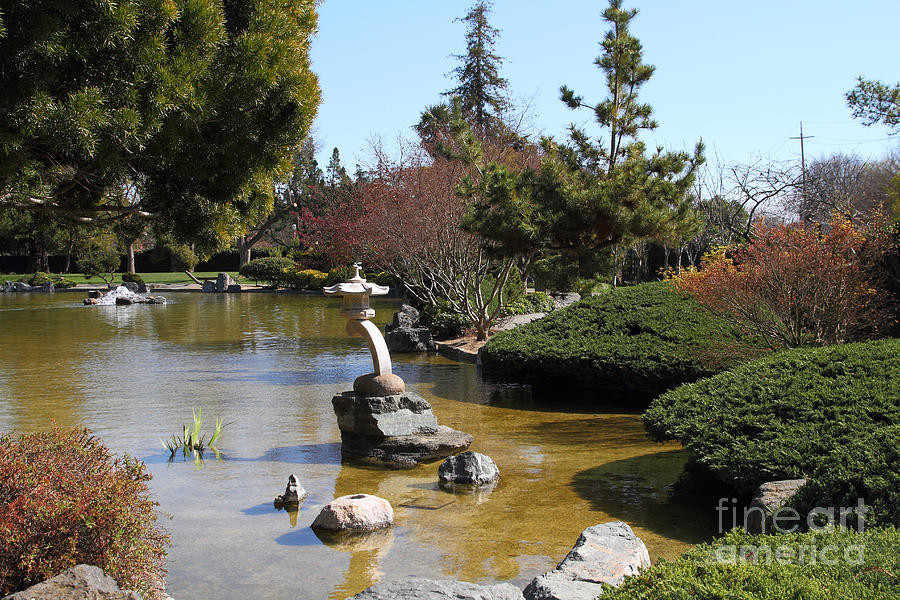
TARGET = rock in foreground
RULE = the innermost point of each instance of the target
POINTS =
(359, 512)
(428, 589)
(469, 468)
(81, 582)
(604, 553)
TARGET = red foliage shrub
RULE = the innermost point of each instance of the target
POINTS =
(65, 500)
(794, 286)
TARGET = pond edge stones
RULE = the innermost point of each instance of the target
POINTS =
(469, 468)
(357, 512)
(604, 553)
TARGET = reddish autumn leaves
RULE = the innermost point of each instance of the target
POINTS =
(796, 286)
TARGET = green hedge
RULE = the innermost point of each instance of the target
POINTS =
(529, 303)
(830, 414)
(846, 565)
(643, 339)
(270, 269)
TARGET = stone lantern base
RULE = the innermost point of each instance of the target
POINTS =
(398, 430)
(374, 385)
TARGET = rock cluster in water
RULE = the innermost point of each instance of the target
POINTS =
(223, 283)
(398, 431)
(122, 296)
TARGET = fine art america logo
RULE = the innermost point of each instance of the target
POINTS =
(786, 519)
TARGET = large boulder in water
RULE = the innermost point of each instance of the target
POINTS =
(223, 281)
(430, 589)
(604, 553)
(403, 414)
(77, 583)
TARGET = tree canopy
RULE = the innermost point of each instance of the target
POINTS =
(876, 102)
(481, 89)
(595, 194)
(201, 103)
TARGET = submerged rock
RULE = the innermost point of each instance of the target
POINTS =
(78, 583)
(359, 512)
(430, 589)
(604, 553)
(469, 468)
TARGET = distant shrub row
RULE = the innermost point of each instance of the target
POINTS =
(830, 414)
(284, 272)
(643, 340)
(811, 566)
(40, 278)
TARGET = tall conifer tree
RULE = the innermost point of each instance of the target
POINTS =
(481, 89)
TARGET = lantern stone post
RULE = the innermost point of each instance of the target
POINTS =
(356, 292)
(380, 421)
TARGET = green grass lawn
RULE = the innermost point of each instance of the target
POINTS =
(177, 277)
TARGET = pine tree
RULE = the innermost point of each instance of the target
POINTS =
(594, 195)
(481, 89)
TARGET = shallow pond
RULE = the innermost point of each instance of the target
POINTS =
(269, 364)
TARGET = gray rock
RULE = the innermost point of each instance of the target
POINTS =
(563, 299)
(208, 286)
(469, 468)
(81, 582)
(410, 339)
(769, 497)
(604, 553)
(95, 294)
(429, 589)
(234, 288)
(154, 300)
(22, 287)
(293, 493)
(404, 414)
(405, 451)
(131, 286)
(124, 300)
(223, 281)
(48, 287)
(142, 288)
(406, 318)
(404, 333)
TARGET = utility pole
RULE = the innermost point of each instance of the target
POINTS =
(802, 161)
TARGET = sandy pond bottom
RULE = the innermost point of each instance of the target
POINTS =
(269, 364)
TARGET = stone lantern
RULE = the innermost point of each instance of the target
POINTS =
(356, 293)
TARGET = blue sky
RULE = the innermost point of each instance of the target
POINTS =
(739, 75)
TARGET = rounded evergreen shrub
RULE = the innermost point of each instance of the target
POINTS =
(270, 269)
(304, 279)
(531, 303)
(829, 414)
(65, 500)
(443, 323)
(811, 566)
(643, 340)
(132, 277)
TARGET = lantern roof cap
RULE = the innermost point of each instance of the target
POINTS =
(357, 286)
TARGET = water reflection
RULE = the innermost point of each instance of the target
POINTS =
(270, 364)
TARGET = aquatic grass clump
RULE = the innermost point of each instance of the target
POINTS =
(192, 440)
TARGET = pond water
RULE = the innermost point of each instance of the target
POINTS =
(269, 364)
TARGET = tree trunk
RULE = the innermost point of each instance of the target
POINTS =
(243, 251)
(129, 251)
(665, 258)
